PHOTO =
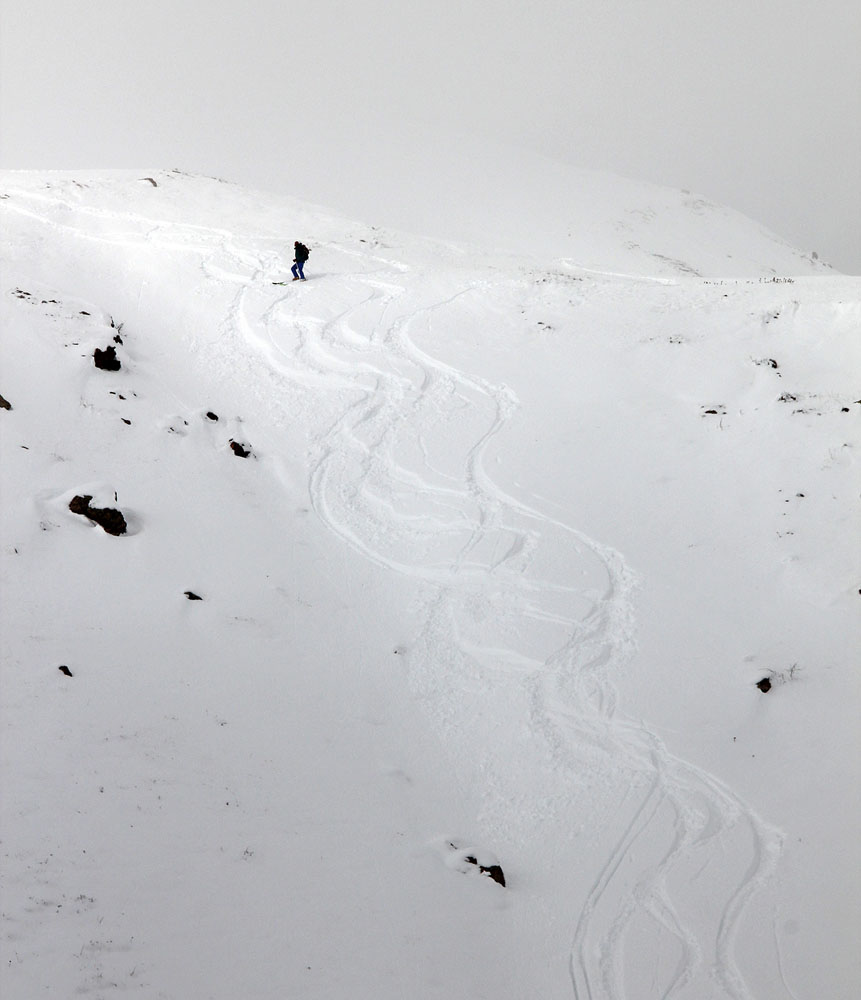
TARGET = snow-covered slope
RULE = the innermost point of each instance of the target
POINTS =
(512, 545)
(472, 190)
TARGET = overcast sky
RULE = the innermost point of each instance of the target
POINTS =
(753, 103)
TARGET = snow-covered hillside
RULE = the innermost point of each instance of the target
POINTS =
(472, 190)
(494, 554)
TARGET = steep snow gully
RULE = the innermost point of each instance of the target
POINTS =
(524, 620)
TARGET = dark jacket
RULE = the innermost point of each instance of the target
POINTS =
(301, 252)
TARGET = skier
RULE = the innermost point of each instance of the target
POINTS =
(300, 255)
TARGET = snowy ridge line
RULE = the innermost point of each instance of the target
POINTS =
(226, 236)
(650, 279)
(357, 488)
(162, 234)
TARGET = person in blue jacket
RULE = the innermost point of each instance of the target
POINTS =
(300, 255)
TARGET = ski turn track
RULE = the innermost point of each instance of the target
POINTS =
(507, 646)
(401, 476)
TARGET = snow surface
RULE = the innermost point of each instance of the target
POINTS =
(515, 541)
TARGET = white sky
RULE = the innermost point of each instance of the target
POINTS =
(756, 105)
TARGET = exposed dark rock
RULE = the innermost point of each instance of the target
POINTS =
(764, 685)
(80, 505)
(107, 359)
(117, 339)
(83, 312)
(492, 871)
(126, 421)
(108, 518)
(211, 416)
(150, 180)
(190, 594)
(65, 670)
(238, 449)
(5, 404)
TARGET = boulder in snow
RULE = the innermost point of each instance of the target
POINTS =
(107, 359)
(109, 518)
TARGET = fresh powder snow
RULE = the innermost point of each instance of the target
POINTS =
(452, 566)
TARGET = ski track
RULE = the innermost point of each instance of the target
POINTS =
(359, 489)
(459, 536)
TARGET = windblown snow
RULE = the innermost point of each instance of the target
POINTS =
(445, 567)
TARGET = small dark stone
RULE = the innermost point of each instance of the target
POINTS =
(211, 416)
(117, 339)
(190, 594)
(111, 520)
(5, 404)
(238, 449)
(126, 421)
(764, 685)
(83, 312)
(150, 180)
(844, 409)
(711, 411)
(65, 670)
(107, 359)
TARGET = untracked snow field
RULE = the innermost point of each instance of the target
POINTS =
(443, 568)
